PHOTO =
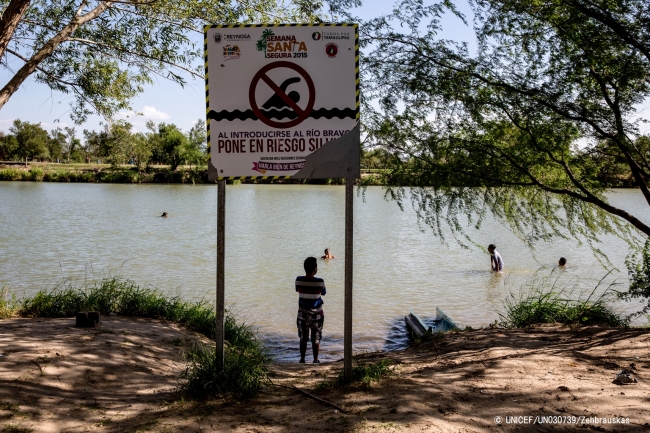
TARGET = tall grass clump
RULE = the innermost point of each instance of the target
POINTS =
(544, 300)
(245, 369)
(126, 298)
(7, 304)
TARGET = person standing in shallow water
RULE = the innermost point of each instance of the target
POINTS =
(496, 262)
(310, 308)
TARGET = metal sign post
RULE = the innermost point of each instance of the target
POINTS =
(221, 259)
(347, 321)
(282, 102)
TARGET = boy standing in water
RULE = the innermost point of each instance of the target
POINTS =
(496, 262)
(310, 308)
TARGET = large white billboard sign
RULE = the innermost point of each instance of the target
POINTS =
(276, 94)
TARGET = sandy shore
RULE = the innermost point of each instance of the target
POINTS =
(121, 377)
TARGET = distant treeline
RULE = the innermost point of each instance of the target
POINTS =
(116, 144)
(44, 172)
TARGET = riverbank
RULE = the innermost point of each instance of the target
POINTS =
(104, 173)
(122, 377)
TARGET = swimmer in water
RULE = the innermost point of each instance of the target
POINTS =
(328, 255)
(562, 262)
(164, 214)
(496, 262)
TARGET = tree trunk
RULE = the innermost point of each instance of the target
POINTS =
(9, 21)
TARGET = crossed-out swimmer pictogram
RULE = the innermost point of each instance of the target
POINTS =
(281, 95)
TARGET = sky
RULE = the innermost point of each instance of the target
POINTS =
(165, 101)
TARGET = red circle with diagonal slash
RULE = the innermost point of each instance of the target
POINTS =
(302, 114)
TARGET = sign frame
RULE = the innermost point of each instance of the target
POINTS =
(217, 174)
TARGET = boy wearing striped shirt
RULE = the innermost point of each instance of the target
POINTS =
(310, 308)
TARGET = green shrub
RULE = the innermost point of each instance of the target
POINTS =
(60, 175)
(11, 174)
(36, 174)
(542, 301)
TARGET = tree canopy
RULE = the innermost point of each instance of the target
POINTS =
(533, 127)
(105, 52)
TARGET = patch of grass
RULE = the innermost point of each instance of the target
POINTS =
(366, 373)
(244, 372)
(544, 301)
(15, 428)
(5, 405)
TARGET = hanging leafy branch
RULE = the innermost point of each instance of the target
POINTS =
(527, 128)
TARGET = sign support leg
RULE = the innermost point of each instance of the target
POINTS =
(221, 252)
(347, 322)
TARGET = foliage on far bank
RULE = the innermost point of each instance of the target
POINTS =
(128, 174)
(116, 144)
(246, 361)
(544, 300)
(51, 173)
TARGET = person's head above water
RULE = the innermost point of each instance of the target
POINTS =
(327, 251)
(562, 261)
(164, 214)
(492, 247)
(311, 265)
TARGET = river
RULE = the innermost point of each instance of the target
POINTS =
(55, 231)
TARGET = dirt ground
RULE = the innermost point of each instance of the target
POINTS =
(121, 377)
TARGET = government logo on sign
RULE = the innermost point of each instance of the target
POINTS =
(316, 36)
(331, 50)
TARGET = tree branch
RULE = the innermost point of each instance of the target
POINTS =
(55, 78)
(135, 12)
(30, 66)
(134, 53)
(608, 20)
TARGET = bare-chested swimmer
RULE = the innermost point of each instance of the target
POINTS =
(328, 255)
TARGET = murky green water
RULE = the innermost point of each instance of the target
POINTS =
(52, 231)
